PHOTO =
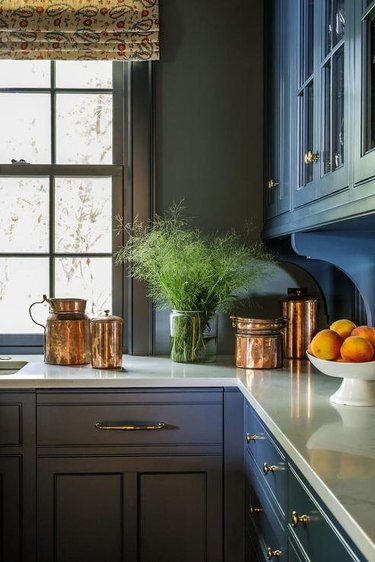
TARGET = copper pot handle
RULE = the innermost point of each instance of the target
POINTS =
(45, 299)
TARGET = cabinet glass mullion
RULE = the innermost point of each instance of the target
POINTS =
(326, 150)
(369, 85)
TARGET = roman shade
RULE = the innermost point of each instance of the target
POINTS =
(79, 29)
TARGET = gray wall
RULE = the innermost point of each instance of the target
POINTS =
(209, 104)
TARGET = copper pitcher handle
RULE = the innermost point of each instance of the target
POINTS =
(45, 299)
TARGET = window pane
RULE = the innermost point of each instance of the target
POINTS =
(85, 74)
(22, 282)
(84, 128)
(86, 278)
(24, 209)
(83, 208)
(24, 74)
(25, 128)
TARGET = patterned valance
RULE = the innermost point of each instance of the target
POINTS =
(79, 29)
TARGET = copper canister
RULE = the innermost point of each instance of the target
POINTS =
(300, 313)
(106, 342)
(259, 343)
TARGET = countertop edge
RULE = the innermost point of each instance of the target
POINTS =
(347, 522)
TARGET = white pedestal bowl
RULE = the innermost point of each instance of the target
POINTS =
(358, 385)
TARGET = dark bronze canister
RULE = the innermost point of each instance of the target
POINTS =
(300, 312)
(66, 332)
(259, 342)
(106, 341)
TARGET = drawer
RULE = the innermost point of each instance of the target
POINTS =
(261, 511)
(318, 536)
(10, 424)
(267, 457)
(130, 419)
(17, 419)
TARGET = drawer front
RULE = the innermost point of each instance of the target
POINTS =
(10, 416)
(138, 419)
(261, 511)
(267, 457)
(317, 535)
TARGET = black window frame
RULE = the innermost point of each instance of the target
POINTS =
(133, 194)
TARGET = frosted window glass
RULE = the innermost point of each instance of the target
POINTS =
(84, 128)
(22, 282)
(24, 204)
(85, 278)
(83, 208)
(24, 74)
(25, 128)
(83, 74)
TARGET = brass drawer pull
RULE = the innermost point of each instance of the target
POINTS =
(129, 427)
(269, 468)
(254, 510)
(250, 437)
(299, 519)
(273, 553)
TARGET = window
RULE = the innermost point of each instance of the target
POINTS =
(61, 183)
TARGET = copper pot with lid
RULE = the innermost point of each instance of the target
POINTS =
(106, 341)
(300, 311)
(66, 332)
(259, 342)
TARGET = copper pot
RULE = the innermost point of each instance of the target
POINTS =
(106, 342)
(300, 313)
(66, 332)
(259, 342)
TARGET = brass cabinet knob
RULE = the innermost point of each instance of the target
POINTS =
(254, 510)
(311, 157)
(250, 437)
(273, 553)
(269, 468)
(299, 519)
(272, 183)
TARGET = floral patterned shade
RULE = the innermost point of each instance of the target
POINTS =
(79, 29)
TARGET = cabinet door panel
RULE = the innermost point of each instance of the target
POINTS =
(364, 94)
(10, 512)
(130, 509)
(165, 527)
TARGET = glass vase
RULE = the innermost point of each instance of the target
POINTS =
(193, 336)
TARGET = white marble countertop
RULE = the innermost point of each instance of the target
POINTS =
(333, 446)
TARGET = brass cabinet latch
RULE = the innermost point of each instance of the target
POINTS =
(311, 157)
(299, 519)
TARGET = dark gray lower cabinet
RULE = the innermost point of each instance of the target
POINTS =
(10, 509)
(133, 476)
(17, 476)
(156, 509)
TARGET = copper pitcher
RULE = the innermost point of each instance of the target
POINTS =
(66, 332)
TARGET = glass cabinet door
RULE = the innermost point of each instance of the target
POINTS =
(364, 94)
(321, 100)
(305, 92)
(277, 171)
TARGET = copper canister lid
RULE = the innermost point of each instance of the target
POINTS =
(107, 318)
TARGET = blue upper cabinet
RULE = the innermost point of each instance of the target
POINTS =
(364, 92)
(320, 98)
(277, 164)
